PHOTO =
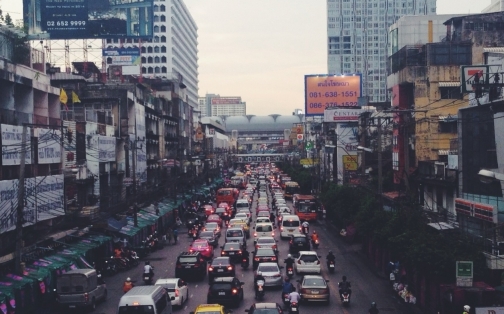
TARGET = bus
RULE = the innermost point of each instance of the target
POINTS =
(228, 195)
(284, 180)
(239, 182)
(291, 188)
(305, 206)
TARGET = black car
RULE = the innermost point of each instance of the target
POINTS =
(225, 290)
(264, 255)
(265, 308)
(221, 267)
(299, 242)
(190, 264)
(210, 236)
(233, 250)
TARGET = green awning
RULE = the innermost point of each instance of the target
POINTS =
(98, 238)
(37, 273)
(130, 230)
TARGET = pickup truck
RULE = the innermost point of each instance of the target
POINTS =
(80, 288)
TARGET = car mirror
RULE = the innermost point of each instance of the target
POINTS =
(242, 283)
(319, 256)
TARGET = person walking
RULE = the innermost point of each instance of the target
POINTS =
(169, 235)
(175, 235)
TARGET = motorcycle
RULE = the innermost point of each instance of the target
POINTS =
(290, 271)
(148, 278)
(260, 290)
(294, 307)
(245, 263)
(345, 298)
(331, 265)
(315, 243)
(285, 298)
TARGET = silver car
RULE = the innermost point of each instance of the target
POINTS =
(314, 288)
(266, 242)
(271, 273)
(214, 227)
(307, 262)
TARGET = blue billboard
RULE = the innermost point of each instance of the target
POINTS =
(79, 19)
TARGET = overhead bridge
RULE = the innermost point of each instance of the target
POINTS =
(247, 158)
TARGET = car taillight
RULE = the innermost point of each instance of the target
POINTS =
(290, 241)
(230, 267)
(274, 247)
(281, 228)
(223, 253)
(273, 258)
(272, 234)
(86, 297)
(239, 252)
(234, 291)
(191, 250)
(304, 290)
(324, 291)
(257, 246)
(210, 268)
(299, 262)
(176, 293)
(255, 234)
(318, 263)
(179, 266)
(277, 275)
(207, 249)
(256, 258)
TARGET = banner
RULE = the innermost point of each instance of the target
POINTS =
(141, 152)
(49, 197)
(342, 115)
(49, 147)
(11, 145)
(106, 148)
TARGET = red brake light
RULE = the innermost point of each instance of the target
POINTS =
(256, 258)
(210, 268)
(273, 258)
(255, 234)
(299, 262)
(177, 293)
(86, 297)
(230, 267)
(234, 291)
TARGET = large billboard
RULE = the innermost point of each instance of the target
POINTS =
(328, 91)
(77, 19)
(122, 56)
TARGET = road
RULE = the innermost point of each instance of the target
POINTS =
(366, 286)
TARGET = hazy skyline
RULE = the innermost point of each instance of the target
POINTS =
(261, 49)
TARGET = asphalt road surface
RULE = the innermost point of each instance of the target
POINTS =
(366, 286)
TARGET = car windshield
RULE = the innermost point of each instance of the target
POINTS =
(209, 312)
(220, 261)
(309, 258)
(220, 210)
(199, 244)
(211, 225)
(265, 311)
(231, 246)
(265, 240)
(138, 309)
(188, 259)
(314, 282)
(234, 233)
(264, 228)
(290, 223)
(207, 234)
(300, 239)
(221, 286)
(265, 252)
(267, 269)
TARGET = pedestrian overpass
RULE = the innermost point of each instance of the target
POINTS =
(248, 158)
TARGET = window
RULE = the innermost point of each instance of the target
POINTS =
(156, 18)
(450, 93)
(156, 39)
(162, 8)
(163, 39)
(163, 29)
(163, 48)
(156, 29)
(149, 60)
(144, 50)
(163, 59)
(157, 70)
(156, 59)
(144, 70)
(149, 49)
(447, 126)
(161, 304)
(144, 60)
(150, 70)
(156, 49)
(163, 18)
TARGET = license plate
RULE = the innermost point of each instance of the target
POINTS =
(231, 253)
(71, 306)
(315, 292)
(188, 267)
(332, 265)
(146, 278)
(290, 272)
(300, 244)
(286, 299)
(220, 270)
(290, 230)
(294, 309)
(222, 293)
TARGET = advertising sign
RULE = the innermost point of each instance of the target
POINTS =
(11, 145)
(490, 310)
(471, 75)
(328, 91)
(464, 273)
(350, 162)
(226, 101)
(8, 202)
(76, 19)
(49, 147)
(106, 148)
(347, 146)
(477, 210)
(122, 56)
(49, 197)
(141, 152)
(342, 115)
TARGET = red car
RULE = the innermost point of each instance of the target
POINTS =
(209, 209)
(227, 207)
(203, 247)
(262, 207)
(215, 218)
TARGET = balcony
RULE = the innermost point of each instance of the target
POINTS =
(407, 56)
(436, 173)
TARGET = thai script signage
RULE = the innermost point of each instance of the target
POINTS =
(11, 145)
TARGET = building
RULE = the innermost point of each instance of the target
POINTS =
(357, 38)
(202, 108)
(221, 106)
(173, 51)
(494, 6)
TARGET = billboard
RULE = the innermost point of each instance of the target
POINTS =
(49, 146)
(226, 101)
(471, 75)
(327, 91)
(11, 145)
(79, 19)
(342, 115)
(122, 56)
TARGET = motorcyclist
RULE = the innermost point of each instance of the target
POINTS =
(373, 309)
(127, 285)
(287, 286)
(343, 286)
(330, 258)
(306, 227)
(148, 269)
(289, 261)
(272, 218)
(294, 296)
(467, 308)
(314, 236)
(245, 255)
(258, 277)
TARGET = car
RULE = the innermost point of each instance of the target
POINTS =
(176, 288)
(228, 208)
(215, 218)
(272, 274)
(236, 235)
(266, 242)
(243, 216)
(222, 212)
(207, 209)
(233, 250)
(264, 255)
(221, 267)
(244, 211)
(307, 262)
(314, 288)
(263, 229)
(225, 290)
(262, 220)
(212, 226)
(210, 308)
(202, 246)
(238, 223)
(262, 199)
(242, 203)
(262, 208)
(210, 236)
(265, 308)
(299, 242)
(190, 264)
(263, 213)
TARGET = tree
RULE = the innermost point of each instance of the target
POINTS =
(8, 20)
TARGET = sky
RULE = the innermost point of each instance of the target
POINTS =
(261, 49)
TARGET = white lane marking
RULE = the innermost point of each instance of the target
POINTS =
(191, 297)
(185, 308)
(196, 286)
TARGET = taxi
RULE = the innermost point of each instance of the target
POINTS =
(210, 308)
(240, 223)
(202, 246)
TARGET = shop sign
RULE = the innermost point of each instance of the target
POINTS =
(464, 273)
(490, 310)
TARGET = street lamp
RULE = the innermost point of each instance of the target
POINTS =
(487, 176)
(380, 170)
(362, 148)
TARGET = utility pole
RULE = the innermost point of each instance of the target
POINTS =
(20, 205)
(135, 209)
(364, 125)
(406, 150)
(380, 165)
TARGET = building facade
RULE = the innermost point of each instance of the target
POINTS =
(494, 6)
(357, 38)
(221, 106)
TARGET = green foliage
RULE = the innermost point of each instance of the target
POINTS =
(303, 176)
(8, 20)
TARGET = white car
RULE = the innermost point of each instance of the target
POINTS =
(243, 216)
(176, 288)
(307, 262)
(266, 242)
(271, 273)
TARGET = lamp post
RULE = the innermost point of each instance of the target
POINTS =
(380, 166)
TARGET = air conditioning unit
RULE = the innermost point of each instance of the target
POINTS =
(440, 169)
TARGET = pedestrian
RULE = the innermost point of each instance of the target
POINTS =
(169, 235)
(175, 235)
(125, 243)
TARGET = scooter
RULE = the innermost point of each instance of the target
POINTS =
(294, 307)
(260, 290)
(285, 298)
(331, 265)
(290, 271)
(245, 263)
(147, 278)
(315, 244)
(345, 298)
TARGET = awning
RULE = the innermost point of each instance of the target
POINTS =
(115, 225)
(446, 152)
(494, 49)
(448, 118)
(449, 84)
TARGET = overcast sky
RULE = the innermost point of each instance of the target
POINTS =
(261, 49)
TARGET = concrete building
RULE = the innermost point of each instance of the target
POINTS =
(357, 38)
(173, 51)
(225, 106)
(494, 6)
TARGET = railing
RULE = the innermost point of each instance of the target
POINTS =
(405, 57)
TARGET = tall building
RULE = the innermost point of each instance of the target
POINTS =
(357, 38)
(494, 6)
(202, 107)
(173, 51)
(216, 105)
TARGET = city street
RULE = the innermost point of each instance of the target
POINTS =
(366, 286)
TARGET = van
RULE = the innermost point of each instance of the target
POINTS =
(243, 203)
(263, 229)
(236, 235)
(80, 288)
(290, 225)
(145, 299)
